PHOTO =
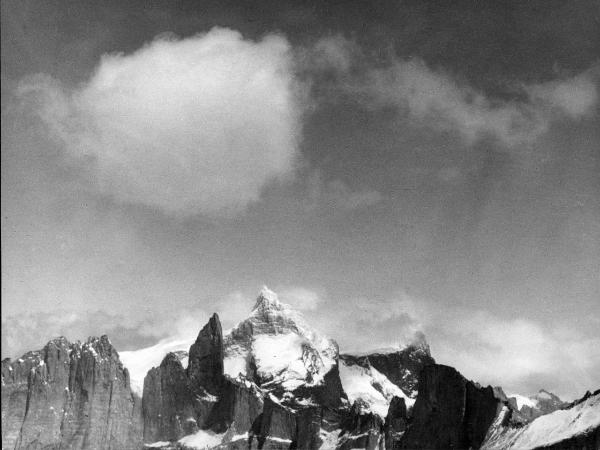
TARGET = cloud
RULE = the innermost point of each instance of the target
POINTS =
(518, 353)
(337, 195)
(300, 298)
(439, 101)
(362, 324)
(31, 331)
(332, 53)
(575, 97)
(187, 126)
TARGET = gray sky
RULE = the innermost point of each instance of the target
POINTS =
(386, 168)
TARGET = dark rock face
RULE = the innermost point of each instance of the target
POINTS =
(167, 405)
(69, 396)
(395, 422)
(177, 402)
(308, 428)
(278, 426)
(450, 412)
(205, 368)
(238, 409)
(361, 429)
(330, 394)
(404, 367)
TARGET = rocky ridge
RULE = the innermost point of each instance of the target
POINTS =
(537, 405)
(69, 395)
(271, 383)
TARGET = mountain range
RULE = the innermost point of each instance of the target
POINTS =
(272, 382)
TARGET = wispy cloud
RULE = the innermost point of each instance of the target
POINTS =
(439, 101)
(337, 195)
(31, 331)
(436, 99)
(518, 353)
(187, 126)
(300, 298)
(575, 97)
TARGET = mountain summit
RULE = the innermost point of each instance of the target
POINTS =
(276, 347)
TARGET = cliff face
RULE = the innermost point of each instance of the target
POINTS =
(69, 396)
(404, 366)
(450, 412)
(167, 408)
(205, 369)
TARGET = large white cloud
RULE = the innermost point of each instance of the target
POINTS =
(188, 126)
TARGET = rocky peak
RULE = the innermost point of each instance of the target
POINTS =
(205, 368)
(401, 365)
(270, 316)
(68, 396)
(419, 344)
(267, 300)
(450, 411)
(542, 403)
(275, 346)
(544, 395)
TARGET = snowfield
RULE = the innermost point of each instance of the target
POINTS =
(139, 362)
(546, 430)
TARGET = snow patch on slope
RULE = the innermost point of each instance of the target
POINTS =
(523, 401)
(280, 356)
(275, 339)
(546, 430)
(203, 439)
(139, 362)
(371, 386)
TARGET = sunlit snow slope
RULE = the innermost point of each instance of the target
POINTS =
(546, 430)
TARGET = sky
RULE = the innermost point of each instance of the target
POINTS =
(386, 167)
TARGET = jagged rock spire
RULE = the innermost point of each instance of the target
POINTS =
(205, 368)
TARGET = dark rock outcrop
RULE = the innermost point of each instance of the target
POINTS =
(205, 369)
(329, 394)
(178, 402)
(362, 428)
(167, 405)
(395, 422)
(69, 396)
(278, 426)
(238, 409)
(308, 428)
(450, 412)
(404, 366)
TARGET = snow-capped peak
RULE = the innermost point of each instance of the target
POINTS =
(268, 306)
(277, 346)
(267, 297)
